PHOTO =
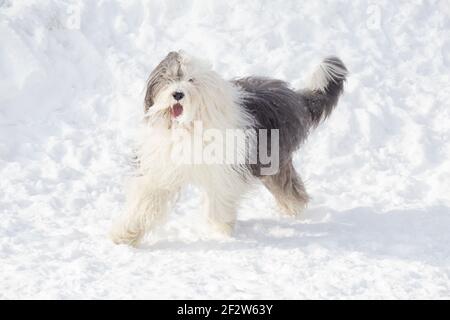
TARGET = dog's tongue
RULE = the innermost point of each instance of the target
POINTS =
(177, 109)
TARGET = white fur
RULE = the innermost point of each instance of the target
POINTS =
(323, 74)
(216, 103)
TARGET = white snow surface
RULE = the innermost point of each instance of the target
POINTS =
(71, 95)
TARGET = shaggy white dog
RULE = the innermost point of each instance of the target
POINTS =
(204, 130)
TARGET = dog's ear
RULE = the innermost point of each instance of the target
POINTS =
(163, 71)
(148, 100)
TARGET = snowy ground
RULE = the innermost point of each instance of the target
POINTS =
(71, 89)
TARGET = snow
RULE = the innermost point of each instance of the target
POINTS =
(73, 76)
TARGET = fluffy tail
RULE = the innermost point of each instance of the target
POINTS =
(324, 88)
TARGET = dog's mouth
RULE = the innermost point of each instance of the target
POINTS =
(176, 110)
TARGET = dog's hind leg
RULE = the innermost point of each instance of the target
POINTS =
(288, 189)
(145, 208)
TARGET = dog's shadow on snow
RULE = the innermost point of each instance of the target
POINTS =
(401, 233)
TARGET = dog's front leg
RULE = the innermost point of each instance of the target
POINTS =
(145, 208)
(221, 205)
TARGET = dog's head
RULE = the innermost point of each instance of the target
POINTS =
(183, 89)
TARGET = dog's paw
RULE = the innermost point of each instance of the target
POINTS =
(292, 208)
(223, 228)
(293, 211)
(125, 236)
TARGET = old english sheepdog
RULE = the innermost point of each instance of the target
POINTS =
(223, 137)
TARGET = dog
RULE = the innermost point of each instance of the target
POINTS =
(182, 92)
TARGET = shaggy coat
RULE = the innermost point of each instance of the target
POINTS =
(183, 91)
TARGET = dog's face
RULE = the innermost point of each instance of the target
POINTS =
(182, 89)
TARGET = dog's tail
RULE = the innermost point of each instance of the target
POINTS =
(324, 89)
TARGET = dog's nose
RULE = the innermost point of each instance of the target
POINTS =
(178, 95)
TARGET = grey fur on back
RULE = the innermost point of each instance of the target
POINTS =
(276, 106)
